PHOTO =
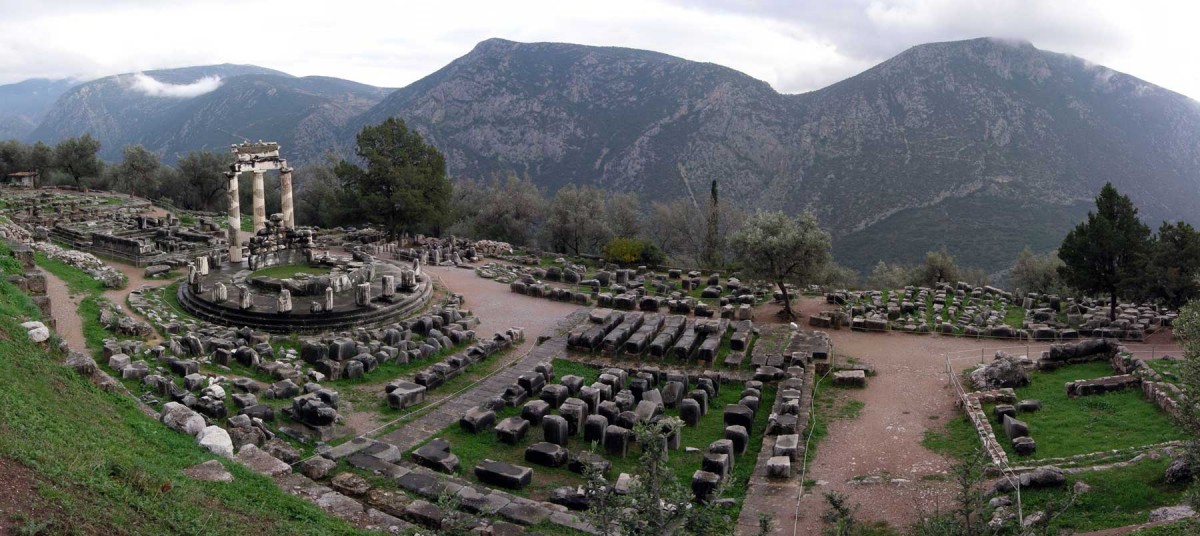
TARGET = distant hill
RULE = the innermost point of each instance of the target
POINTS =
(24, 104)
(982, 146)
(304, 114)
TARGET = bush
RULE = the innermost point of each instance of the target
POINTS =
(633, 251)
(652, 255)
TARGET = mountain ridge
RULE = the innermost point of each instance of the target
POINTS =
(974, 135)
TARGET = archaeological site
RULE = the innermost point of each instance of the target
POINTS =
(557, 289)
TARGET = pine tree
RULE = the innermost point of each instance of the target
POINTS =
(710, 237)
(1107, 253)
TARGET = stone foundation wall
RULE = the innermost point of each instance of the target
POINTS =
(972, 403)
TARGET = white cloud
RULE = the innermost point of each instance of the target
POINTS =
(794, 45)
(154, 88)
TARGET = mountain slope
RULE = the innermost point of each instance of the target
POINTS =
(22, 105)
(303, 114)
(1002, 127)
(621, 119)
(982, 146)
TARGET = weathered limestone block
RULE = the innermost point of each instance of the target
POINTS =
(436, 455)
(477, 419)
(503, 474)
(547, 454)
(284, 301)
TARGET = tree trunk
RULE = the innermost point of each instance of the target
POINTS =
(1112, 306)
(787, 312)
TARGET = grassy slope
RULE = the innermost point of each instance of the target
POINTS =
(471, 449)
(1065, 426)
(105, 464)
(1119, 497)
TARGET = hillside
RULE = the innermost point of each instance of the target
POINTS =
(24, 104)
(983, 146)
(945, 144)
(77, 460)
(304, 114)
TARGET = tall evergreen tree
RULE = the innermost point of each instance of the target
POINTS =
(1173, 276)
(404, 186)
(1107, 253)
(710, 237)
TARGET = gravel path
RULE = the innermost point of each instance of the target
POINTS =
(64, 307)
(908, 396)
(498, 308)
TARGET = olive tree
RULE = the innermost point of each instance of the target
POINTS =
(775, 247)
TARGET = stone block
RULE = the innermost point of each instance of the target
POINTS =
(477, 419)
(555, 429)
(503, 474)
(593, 428)
(616, 440)
(535, 410)
(512, 430)
(547, 454)
(436, 455)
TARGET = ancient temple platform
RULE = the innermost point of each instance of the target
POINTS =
(332, 302)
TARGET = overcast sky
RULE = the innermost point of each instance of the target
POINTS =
(795, 45)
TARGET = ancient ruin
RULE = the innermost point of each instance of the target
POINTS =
(361, 348)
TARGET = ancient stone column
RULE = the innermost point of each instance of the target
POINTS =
(389, 286)
(328, 299)
(362, 294)
(220, 293)
(285, 301)
(260, 202)
(285, 197)
(235, 219)
(245, 300)
(202, 264)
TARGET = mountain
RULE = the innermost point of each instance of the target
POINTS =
(174, 111)
(22, 105)
(981, 146)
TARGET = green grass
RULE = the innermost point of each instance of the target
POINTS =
(1066, 426)
(102, 464)
(78, 281)
(472, 448)
(1169, 368)
(1014, 316)
(1119, 497)
(366, 394)
(289, 270)
(829, 404)
(170, 294)
(956, 438)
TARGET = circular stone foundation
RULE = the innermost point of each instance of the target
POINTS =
(308, 297)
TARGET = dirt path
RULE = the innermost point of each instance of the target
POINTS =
(908, 396)
(498, 308)
(64, 307)
(137, 279)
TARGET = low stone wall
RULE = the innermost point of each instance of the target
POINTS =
(1165, 395)
(1099, 386)
(972, 403)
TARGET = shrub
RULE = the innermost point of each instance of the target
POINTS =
(624, 250)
